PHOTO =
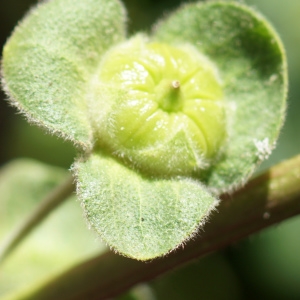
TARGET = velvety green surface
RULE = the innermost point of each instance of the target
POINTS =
(137, 216)
(51, 56)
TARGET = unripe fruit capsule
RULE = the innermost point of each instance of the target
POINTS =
(162, 107)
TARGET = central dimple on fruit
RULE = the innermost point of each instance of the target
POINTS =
(169, 95)
(163, 111)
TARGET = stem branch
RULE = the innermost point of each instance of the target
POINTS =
(265, 200)
(50, 202)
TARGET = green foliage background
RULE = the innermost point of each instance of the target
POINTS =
(265, 266)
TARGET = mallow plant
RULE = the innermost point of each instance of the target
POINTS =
(164, 122)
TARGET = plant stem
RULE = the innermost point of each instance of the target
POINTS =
(265, 200)
(47, 205)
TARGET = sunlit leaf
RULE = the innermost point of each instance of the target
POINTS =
(50, 58)
(138, 216)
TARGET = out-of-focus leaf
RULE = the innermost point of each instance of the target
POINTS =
(59, 242)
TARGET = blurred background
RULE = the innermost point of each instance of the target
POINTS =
(264, 266)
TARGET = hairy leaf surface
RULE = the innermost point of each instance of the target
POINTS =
(137, 216)
(52, 55)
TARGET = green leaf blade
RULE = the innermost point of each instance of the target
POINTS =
(52, 55)
(252, 65)
(140, 217)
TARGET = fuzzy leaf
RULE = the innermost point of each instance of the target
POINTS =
(52, 55)
(140, 217)
(252, 66)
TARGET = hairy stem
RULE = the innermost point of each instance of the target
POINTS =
(265, 200)
(50, 202)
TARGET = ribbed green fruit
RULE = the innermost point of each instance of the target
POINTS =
(169, 117)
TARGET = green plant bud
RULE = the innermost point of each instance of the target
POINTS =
(167, 116)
